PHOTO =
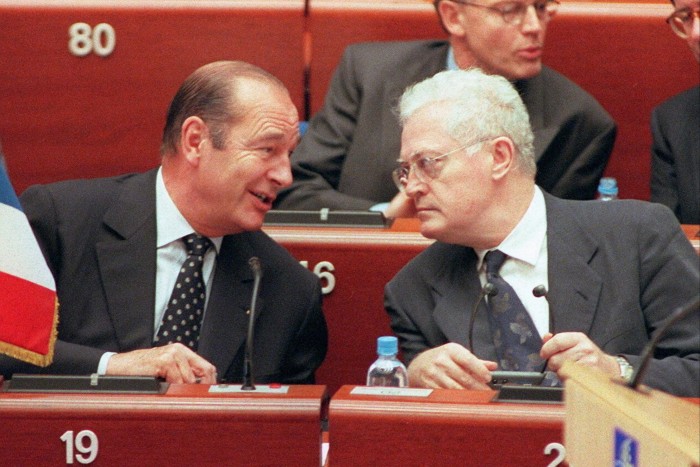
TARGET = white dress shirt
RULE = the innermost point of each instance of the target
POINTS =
(526, 265)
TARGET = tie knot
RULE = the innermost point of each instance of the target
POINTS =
(494, 260)
(196, 244)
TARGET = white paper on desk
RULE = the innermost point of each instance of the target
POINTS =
(389, 391)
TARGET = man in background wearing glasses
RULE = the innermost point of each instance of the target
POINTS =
(345, 159)
(611, 273)
(675, 126)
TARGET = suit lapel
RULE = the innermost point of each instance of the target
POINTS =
(127, 262)
(226, 319)
(574, 287)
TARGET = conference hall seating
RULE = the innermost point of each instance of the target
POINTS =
(86, 84)
(623, 53)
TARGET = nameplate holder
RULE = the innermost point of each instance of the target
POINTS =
(521, 394)
(85, 384)
(326, 218)
(238, 389)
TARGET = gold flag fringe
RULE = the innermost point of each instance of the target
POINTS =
(28, 356)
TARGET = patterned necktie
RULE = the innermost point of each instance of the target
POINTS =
(517, 341)
(183, 316)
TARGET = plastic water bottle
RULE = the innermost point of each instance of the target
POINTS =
(607, 189)
(387, 370)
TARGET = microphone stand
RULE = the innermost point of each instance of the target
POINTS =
(248, 384)
(488, 290)
(648, 353)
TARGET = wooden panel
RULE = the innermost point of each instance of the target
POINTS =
(628, 58)
(336, 24)
(449, 427)
(363, 261)
(63, 116)
(186, 426)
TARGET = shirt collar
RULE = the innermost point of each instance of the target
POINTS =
(171, 225)
(528, 237)
(451, 62)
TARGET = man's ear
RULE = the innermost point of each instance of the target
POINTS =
(193, 134)
(503, 157)
(452, 19)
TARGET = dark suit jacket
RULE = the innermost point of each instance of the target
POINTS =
(345, 159)
(675, 155)
(617, 270)
(99, 237)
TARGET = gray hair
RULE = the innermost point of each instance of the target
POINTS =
(476, 106)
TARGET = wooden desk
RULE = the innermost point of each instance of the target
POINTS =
(186, 426)
(449, 427)
(354, 265)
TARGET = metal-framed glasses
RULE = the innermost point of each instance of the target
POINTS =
(425, 168)
(681, 21)
(514, 12)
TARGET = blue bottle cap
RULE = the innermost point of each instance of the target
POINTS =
(387, 345)
(608, 186)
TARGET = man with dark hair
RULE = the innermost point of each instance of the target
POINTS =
(675, 124)
(152, 270)
(344, 161)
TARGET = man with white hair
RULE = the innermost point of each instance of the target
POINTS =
(614, 271)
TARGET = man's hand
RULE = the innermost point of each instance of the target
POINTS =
(450, 366)
(579, 348)
(175, 363)
(400, 206)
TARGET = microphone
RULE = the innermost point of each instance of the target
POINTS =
(648, 353)
(248, 384)
(541, 291)
(488, 290)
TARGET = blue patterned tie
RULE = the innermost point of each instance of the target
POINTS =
(517, 341)
(183, 315)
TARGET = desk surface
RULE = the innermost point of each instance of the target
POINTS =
(448, 427)
(186, 426)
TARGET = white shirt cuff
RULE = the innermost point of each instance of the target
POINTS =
(104, 360)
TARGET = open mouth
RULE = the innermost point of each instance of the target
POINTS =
(263, 197)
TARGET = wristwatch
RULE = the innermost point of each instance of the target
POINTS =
(626, 370)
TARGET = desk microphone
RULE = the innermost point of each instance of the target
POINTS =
(488, 290)
(248, 384)
(648, 353)
(541, 291)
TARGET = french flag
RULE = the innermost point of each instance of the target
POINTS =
(28, 302)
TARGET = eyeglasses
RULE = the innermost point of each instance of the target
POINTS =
(514, 12)
(681, 21)
(425, 168)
